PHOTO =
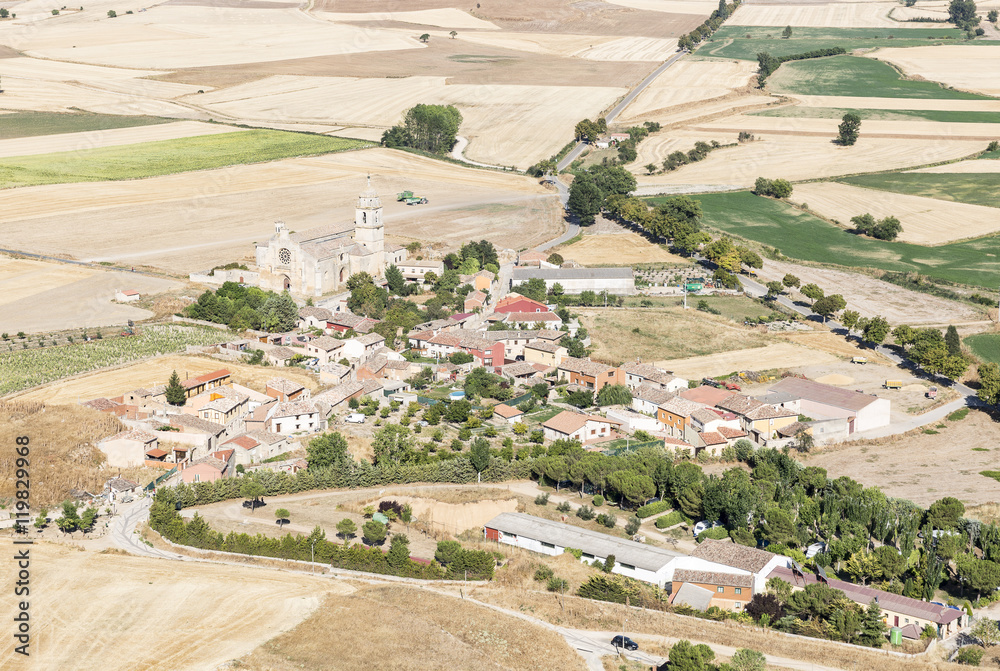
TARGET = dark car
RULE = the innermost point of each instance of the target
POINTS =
(624, 642)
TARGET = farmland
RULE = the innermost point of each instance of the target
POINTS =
(32, 124)
(120, 594)
(971, 67)
(147, 159)
(38, 296)
(986, 346)
(730, 41)
(27, 368)
(945, 116)
(157, 370)
(973, 188)
(781, 355)
(802, 236)
(925, 220)
(856, 76)
(617, 249)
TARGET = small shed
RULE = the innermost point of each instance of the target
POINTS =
(127, 295)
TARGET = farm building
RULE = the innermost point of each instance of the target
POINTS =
(897, 610)
(127, 295)
(822, 401)
(569, 425)
(635, 560)
(704, 589)
(509, 414)
(127, 448)
(618, 281)
(195, 385)
(713, 556)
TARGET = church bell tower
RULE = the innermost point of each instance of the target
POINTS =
(368, 227)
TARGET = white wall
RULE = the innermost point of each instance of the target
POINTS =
(873, 415)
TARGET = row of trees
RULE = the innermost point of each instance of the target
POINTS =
(711, 24)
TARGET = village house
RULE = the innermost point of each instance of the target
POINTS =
(515, 302)
(508, 413)
(675, 416)
(205, 469)
(522, 371)
(281, 389)
(588, 374)
(482, 281)
(294, 417)
(704, 589)
(706, 395)
(341, 394)
(530, 258)
(760, 420)
(344, 321)
(546, 320)
(724, 556)
(361, 347)
(311, 317)
(545, 352)
(279, 355)
(128, 448)
(211, 432)
(711, 419)
(579, 426)
(634, 560)
(474, 300)
(326, 349)
(334, 373)
(196, 385)
(514, 341)
(823, 401)
(648, 398)
(643, 373)
(416, 271)
(117, 487)
(254, 398)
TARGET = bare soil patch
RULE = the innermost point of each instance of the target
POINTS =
(922, 467)
(115, 382)
(86, 591)
(38, 296)
(617, 249)
(416, 629)
(773, 356)
(872, 297)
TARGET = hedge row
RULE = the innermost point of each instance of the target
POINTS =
(670, 519)
(767, 63)
(651, 509)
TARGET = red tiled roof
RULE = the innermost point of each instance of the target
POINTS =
(712, 438)
(729, 432)
(507, 411)
(156, 453)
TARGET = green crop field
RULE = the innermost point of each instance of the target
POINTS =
(986, 346)
(732, 41)
(857, 76)
(951, 116)
(148, 159)
(803, 236)
(32, 124)
(981, 188)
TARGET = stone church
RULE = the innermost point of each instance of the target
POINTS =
(319, 261)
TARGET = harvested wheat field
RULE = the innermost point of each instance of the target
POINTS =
(678, 116)
(973, 67)
(109, 138)
(623, 248)
(192, 221)
(492, 114)
(167, 37)
(51, 96)
(854, 102)
(773, 356)
(964, 167)
(932, 130)
(689, 81)
(149, 373)
(670, 6)
(871, 297)
(417, 629)
(922, 467)
(589, 47)
(926, 221)
(444, 18)
(80, 593)
(37, 296)
(778, 156)
(834, 15)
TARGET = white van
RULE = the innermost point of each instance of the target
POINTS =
(355, 418)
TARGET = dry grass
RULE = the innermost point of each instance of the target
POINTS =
(618, 249)
(825, 15)
(580, 613)
(398, 627)
(63, 448)
(650, 334)
(965, 67)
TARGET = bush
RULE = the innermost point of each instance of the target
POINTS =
(585, 512)
(971, 655)
(607, 519)
(669, 520)
(542, 500)
(651, 509)
(543, 573)
(632, 526)
(598, 500)
(718, 533)
(557, 585)
(573, 551)
(564, 507)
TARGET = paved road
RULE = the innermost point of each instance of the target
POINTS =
(458, 153)
(610, 116)
(574, 224)
(122, 531)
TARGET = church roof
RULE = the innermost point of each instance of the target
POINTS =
(323, 233)
(359, 250)
(324, 249)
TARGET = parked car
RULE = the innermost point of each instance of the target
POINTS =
(355, 418)
(705, 526)
(624, 642)
(815, 549)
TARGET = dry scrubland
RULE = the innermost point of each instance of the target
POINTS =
(926, 221)
(664, 332)
(968, 67)
(923, 467)
(617, 249)
(872, 297)
(365, 629)
(111, 383)
(188, 223)
(153, 614)
(63, 452)
(37, 296)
